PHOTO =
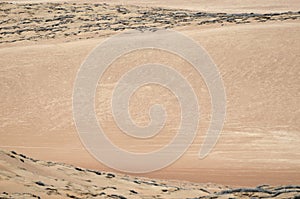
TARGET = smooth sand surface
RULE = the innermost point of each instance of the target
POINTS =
(259, 64)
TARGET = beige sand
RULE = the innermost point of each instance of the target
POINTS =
(24, 177)
(259, 63)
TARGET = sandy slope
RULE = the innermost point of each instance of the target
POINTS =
(259, 63)
(24, 177)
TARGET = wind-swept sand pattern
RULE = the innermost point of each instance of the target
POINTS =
(42, 46)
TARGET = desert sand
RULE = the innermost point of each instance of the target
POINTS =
(256, 48)
(39, 179)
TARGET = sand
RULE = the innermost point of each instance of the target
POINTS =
(24, 177)
(258, 60)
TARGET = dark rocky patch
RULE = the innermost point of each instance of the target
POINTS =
(40, 183)
(78, 21)
(117, 196)
(95, 172)
(78, 169)
(12, 156)
(72, 196)
(110, 175)
(133, 191)
(109, 188)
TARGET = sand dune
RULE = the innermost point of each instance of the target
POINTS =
(257, 55)
(24, 177)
